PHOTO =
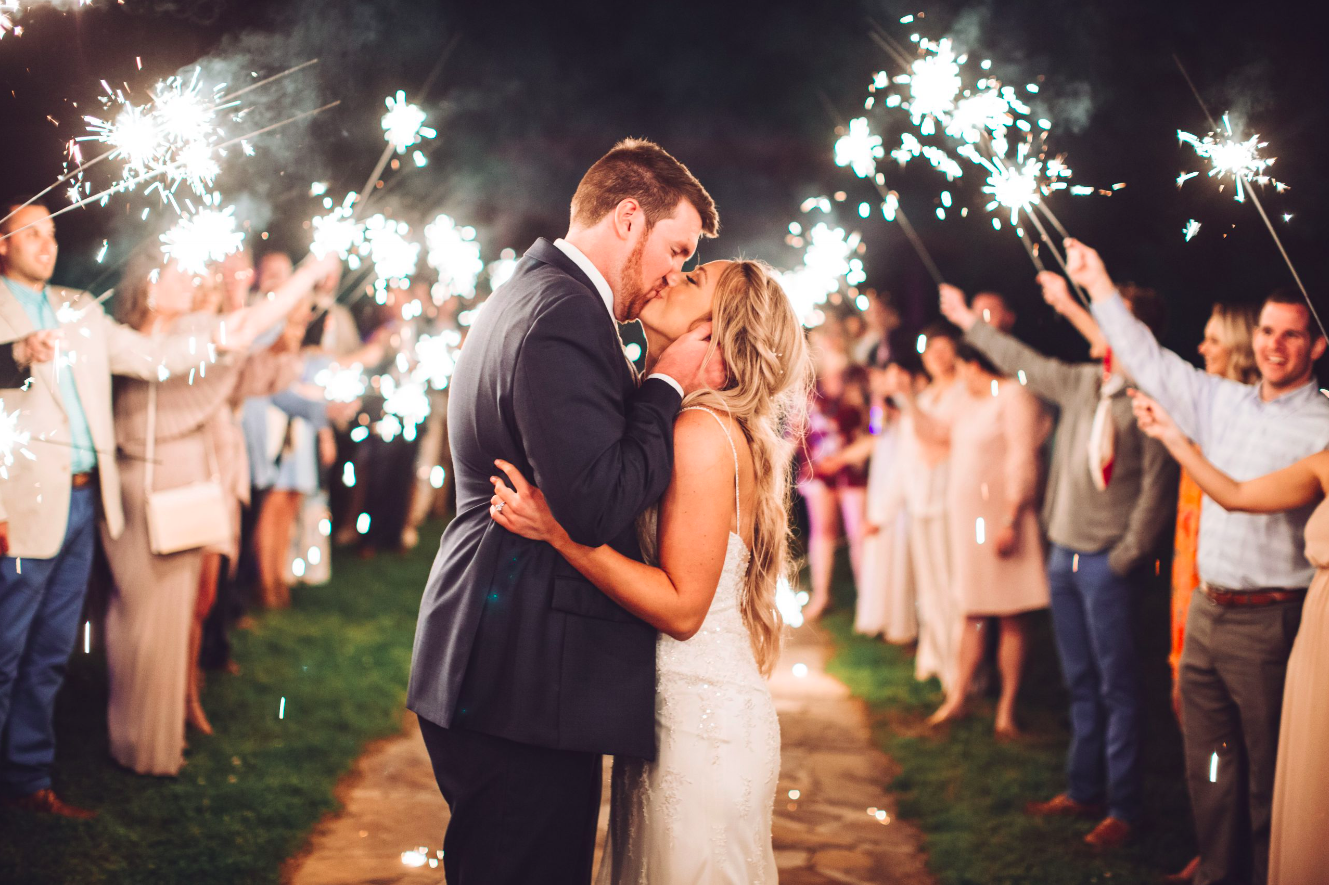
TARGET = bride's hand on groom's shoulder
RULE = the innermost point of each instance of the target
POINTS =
(521, 508)
(687, 361)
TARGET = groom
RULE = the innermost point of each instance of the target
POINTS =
(523, 673)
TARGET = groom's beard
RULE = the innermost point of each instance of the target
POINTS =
(634, 294)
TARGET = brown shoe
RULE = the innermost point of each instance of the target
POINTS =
(1111, 832)
(1064, 806)
(46, 802)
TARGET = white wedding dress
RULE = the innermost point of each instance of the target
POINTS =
(700, 814)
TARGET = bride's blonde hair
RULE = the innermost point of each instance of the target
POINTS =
(770, 373)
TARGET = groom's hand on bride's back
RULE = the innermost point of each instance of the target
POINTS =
(687, 362)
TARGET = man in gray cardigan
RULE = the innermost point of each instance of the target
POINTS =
(1109, 498)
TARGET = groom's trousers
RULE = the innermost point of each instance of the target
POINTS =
(520, 814)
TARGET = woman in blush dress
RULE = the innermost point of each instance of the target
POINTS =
(150, 613)
(996, 549)
(1298, 849)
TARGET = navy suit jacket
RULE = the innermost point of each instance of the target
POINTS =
(511, 640)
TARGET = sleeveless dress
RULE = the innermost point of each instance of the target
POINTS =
(701, 812)
(1298, 849)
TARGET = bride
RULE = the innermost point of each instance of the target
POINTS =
(701, 811)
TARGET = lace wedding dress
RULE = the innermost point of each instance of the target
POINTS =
(701, 812)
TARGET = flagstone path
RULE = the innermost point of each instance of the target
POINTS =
(834, 822)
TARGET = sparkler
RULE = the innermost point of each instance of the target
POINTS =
(1245, 165)
(1231, 158)
(436, 357)
(403, 124)
(501, 271)
(13, 440)
(827, 263)
(342, 385)
(394, 257)
(338, 231)
(859, 149)
(454, 253)
(205, 236)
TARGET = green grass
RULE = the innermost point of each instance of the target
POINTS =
(250, 794)
(967, 792)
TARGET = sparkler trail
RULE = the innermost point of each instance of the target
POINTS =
(120, 186)
(206, 236)
(1287, 259)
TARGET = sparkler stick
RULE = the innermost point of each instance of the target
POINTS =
(1043, 235)
(1213, 125)
(887, 194)
(390, 147)
(59, 181)
(129, 184)
(265, 82)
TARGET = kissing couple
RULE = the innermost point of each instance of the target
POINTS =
(608, 583)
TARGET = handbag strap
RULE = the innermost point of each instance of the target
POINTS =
(213, 464)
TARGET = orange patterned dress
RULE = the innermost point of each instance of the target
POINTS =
(1185, 574)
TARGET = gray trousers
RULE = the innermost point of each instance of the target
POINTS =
(1232, 669)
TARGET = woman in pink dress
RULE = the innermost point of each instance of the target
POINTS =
(996, 553)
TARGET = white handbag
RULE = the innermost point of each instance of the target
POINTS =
(186, 517)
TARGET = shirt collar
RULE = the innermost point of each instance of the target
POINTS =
(597, 279)
(1293, 399)
(22, 291)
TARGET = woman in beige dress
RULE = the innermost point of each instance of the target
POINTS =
(996, 553)
(150, 611)
(924, 458)
(1298, 847)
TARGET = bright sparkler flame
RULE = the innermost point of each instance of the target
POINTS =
(436, 357)
(934, 83)
(407, 400)
(1228, 157)
(454, 253)
(827, 263)
(403, 124)
(501, 271)
(394, 257)
(342, 384)
(206, 236)
(338, 232)
(859, 149)
(1014, 187)
(13, 439)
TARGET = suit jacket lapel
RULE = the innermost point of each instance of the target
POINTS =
(15, 324)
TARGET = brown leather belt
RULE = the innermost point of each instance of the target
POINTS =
(81, 480)
(1249, 598)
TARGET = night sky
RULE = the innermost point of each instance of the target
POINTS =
(744, 94)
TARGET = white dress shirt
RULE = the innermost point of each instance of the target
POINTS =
(606, 294)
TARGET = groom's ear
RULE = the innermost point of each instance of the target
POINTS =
(627, 217)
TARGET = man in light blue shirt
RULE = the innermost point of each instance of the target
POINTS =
(1253, 570)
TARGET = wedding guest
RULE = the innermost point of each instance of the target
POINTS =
(1106, 506)
(834, 492)
(881, 344)
(995, 310)
(925, 451)
(49, 504)
(163, 434)
(1253, 568)
(885, 604)
(1298, 851)
(996, 544)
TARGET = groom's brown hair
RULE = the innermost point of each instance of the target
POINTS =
(641, 170)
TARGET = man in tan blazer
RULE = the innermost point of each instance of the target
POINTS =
(65, 350)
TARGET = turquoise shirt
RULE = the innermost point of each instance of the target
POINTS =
(83, 454)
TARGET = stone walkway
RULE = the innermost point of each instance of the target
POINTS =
(834, 822)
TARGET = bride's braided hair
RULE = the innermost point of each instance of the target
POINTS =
(770, 373)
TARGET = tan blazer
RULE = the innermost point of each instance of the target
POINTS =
(34, 500)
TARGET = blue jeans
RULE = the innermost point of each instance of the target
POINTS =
(40, 603)
(1091, 616)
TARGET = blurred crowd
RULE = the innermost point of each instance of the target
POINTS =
(976, 481)
(192, 452)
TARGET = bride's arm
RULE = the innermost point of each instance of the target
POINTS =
(693, 533)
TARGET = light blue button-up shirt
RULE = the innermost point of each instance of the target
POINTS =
(83, 454)
(1243, 436)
